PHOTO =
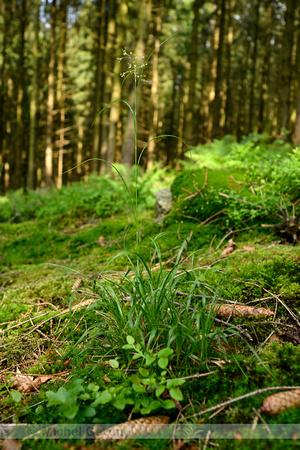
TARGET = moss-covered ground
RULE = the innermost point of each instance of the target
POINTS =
(42, 258)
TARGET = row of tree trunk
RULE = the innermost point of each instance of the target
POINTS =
(229, 68)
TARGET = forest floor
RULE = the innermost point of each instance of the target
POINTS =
(43, 333)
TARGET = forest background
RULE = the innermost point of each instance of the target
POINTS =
(231, 67)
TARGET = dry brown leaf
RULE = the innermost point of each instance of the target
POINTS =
(238, 436)
(26, 383)
(101, 241)
(218, 362)
(276, 403)
(42, 379)
(276, 338)
(227, 347)
(131, 428)
(246, 248)
(241, 310)
(230, 247)
(11, 444)
(79, 305)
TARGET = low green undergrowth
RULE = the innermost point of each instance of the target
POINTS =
(97, 197)
(238, 183)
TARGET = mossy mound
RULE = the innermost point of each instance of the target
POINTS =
(197, 193)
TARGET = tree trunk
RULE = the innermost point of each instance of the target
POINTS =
(34, 100)
(96, 151)
(61, 91)
(211, 85)
(242, 95)
(154, 87)
(219, 89)
(229, 107)
(50, 100)
(18, 174)
(3, 78)
(190, 116)
(286, 70)
(265, 71)
(129, 155)
(252, 106)
(296, 128)
(116, 42)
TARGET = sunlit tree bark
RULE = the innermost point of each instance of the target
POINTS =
(99, 88)
(253, 69)
(34, 99)
(115, 124)
(190, 114)
(219, 87)
(154, 86)
(296, 130)
(286, 70)
(128, 150)
(50, 98)
(264, 92)
(229, 82)
(61, 91)
(3, 99)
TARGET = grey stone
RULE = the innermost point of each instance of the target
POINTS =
(163, 205)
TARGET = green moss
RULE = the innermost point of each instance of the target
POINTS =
(208, 201)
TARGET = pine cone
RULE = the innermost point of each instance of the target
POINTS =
(276, 403)
(131, 428)
(242, 310)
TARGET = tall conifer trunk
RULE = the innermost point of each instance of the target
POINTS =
(34, 100)
(217, 103)
(50, 100)
(98, 104)
(18, 158)
(61, 91)
(154, 86)
(286, 70)
(190, 116)
(142, 33)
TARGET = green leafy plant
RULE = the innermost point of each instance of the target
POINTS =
(15, 395)
(146, 391)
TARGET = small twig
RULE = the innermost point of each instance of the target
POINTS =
(57, 375)
(217, 412)
(279, 300)
(211, 243)
(262, 299)
(211, 217)
(266, 340)
(257, 412)
(25, 321)
(242, 397)
(199, 191)
(197, 375)
(206, 442)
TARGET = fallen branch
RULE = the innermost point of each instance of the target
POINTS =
(199, 191)
(242, 397)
